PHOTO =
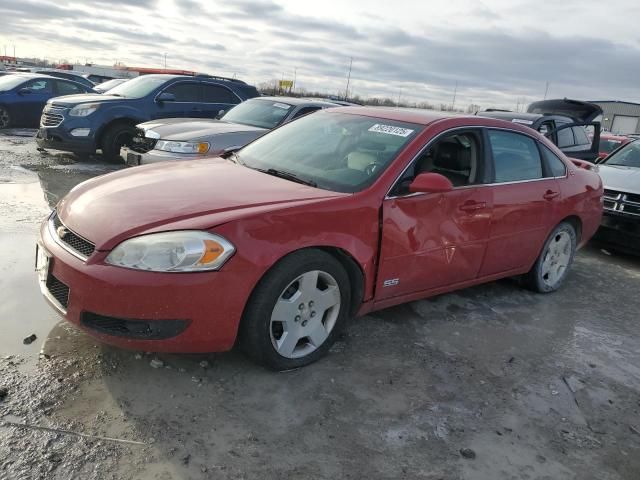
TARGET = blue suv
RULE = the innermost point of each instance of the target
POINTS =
(86, 123)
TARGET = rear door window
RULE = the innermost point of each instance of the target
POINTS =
(515, 157)
(304, 111)
(185, 91)
(580, 136)
(218, 94)
(67, 88)
(565, 138)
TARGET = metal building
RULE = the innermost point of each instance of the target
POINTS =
(620, 117)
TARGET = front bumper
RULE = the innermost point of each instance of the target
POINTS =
(620, 231)
(60, 138)
(166, 312)
(133, 158)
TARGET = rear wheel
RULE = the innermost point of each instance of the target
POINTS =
(296, 311)
(5, 118)
(116, 137)
(552, 266)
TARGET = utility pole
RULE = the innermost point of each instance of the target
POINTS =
(455, 92)
(295, 72)
(546, 91)
(346, 93)
(399, 96)
(165, 60)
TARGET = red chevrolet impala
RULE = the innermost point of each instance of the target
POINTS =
(337, 214)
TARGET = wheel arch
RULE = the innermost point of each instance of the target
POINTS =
(116, 121)
(349, 263)
(576, 222)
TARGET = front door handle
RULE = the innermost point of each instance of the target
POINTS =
(550, 195)
(472, 206)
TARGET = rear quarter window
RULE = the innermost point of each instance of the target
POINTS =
(557, 168)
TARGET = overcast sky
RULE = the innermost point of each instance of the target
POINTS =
(499, 52)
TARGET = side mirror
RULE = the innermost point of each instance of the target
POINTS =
(220, 114)
(24, 91)
(166, 97)
(430, 183)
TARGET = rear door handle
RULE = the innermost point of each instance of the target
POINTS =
(472, 206)
(550, 195)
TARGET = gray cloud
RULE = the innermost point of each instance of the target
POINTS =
(261, 39)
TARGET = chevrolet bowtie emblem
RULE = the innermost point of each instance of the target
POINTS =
(62, 232)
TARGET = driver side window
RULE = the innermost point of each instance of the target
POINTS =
(457, 156)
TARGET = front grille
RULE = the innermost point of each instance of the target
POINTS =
(71, 239)
(622, 203)
(142, 144)
(51, 119)
(52, 116)
(139, 329)
(58, 290)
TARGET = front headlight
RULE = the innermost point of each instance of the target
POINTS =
(183, 251)
(182, 147)
(84, 109)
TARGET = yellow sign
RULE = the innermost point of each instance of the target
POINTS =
(286, 83)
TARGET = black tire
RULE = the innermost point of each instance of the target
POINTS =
(114, 138)
(537, 279)
(255, 335)
(5, 118)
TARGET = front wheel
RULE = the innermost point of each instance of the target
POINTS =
(296, 311)
(552, 266)
(116, 137)
(5, 118)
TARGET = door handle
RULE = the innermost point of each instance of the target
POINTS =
(550, 195)
(472, 206)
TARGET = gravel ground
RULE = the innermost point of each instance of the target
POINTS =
(492, 382)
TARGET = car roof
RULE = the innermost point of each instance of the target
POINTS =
(613, 136)
(297, 101)
(510, 116)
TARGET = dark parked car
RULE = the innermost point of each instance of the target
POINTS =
(67, 75)
(85, 123)
(563, 122)
(23, 96)
(190, 139)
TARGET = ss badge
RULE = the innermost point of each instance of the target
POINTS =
(391, 283)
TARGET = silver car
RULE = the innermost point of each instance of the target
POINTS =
(193, 138)
(620, 173)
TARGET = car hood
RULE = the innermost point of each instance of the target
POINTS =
(619, 178)
(183, 129)
(175, 196)
(580, 111)
(72, 100)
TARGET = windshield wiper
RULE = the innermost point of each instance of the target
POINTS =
(287, 176)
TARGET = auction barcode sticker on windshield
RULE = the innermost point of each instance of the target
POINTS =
(391, 130)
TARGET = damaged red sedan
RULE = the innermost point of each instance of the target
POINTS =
(337, 214)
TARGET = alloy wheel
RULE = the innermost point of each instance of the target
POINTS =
(304, 314)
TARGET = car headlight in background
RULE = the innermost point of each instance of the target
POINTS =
(84, 109)
(181, 251)
(182, 147)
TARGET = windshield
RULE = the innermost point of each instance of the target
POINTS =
(138, 87)
(9, 82)
(108, 85)
(335, 151)
(627, 156)
(608, 146)
(258, 113)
